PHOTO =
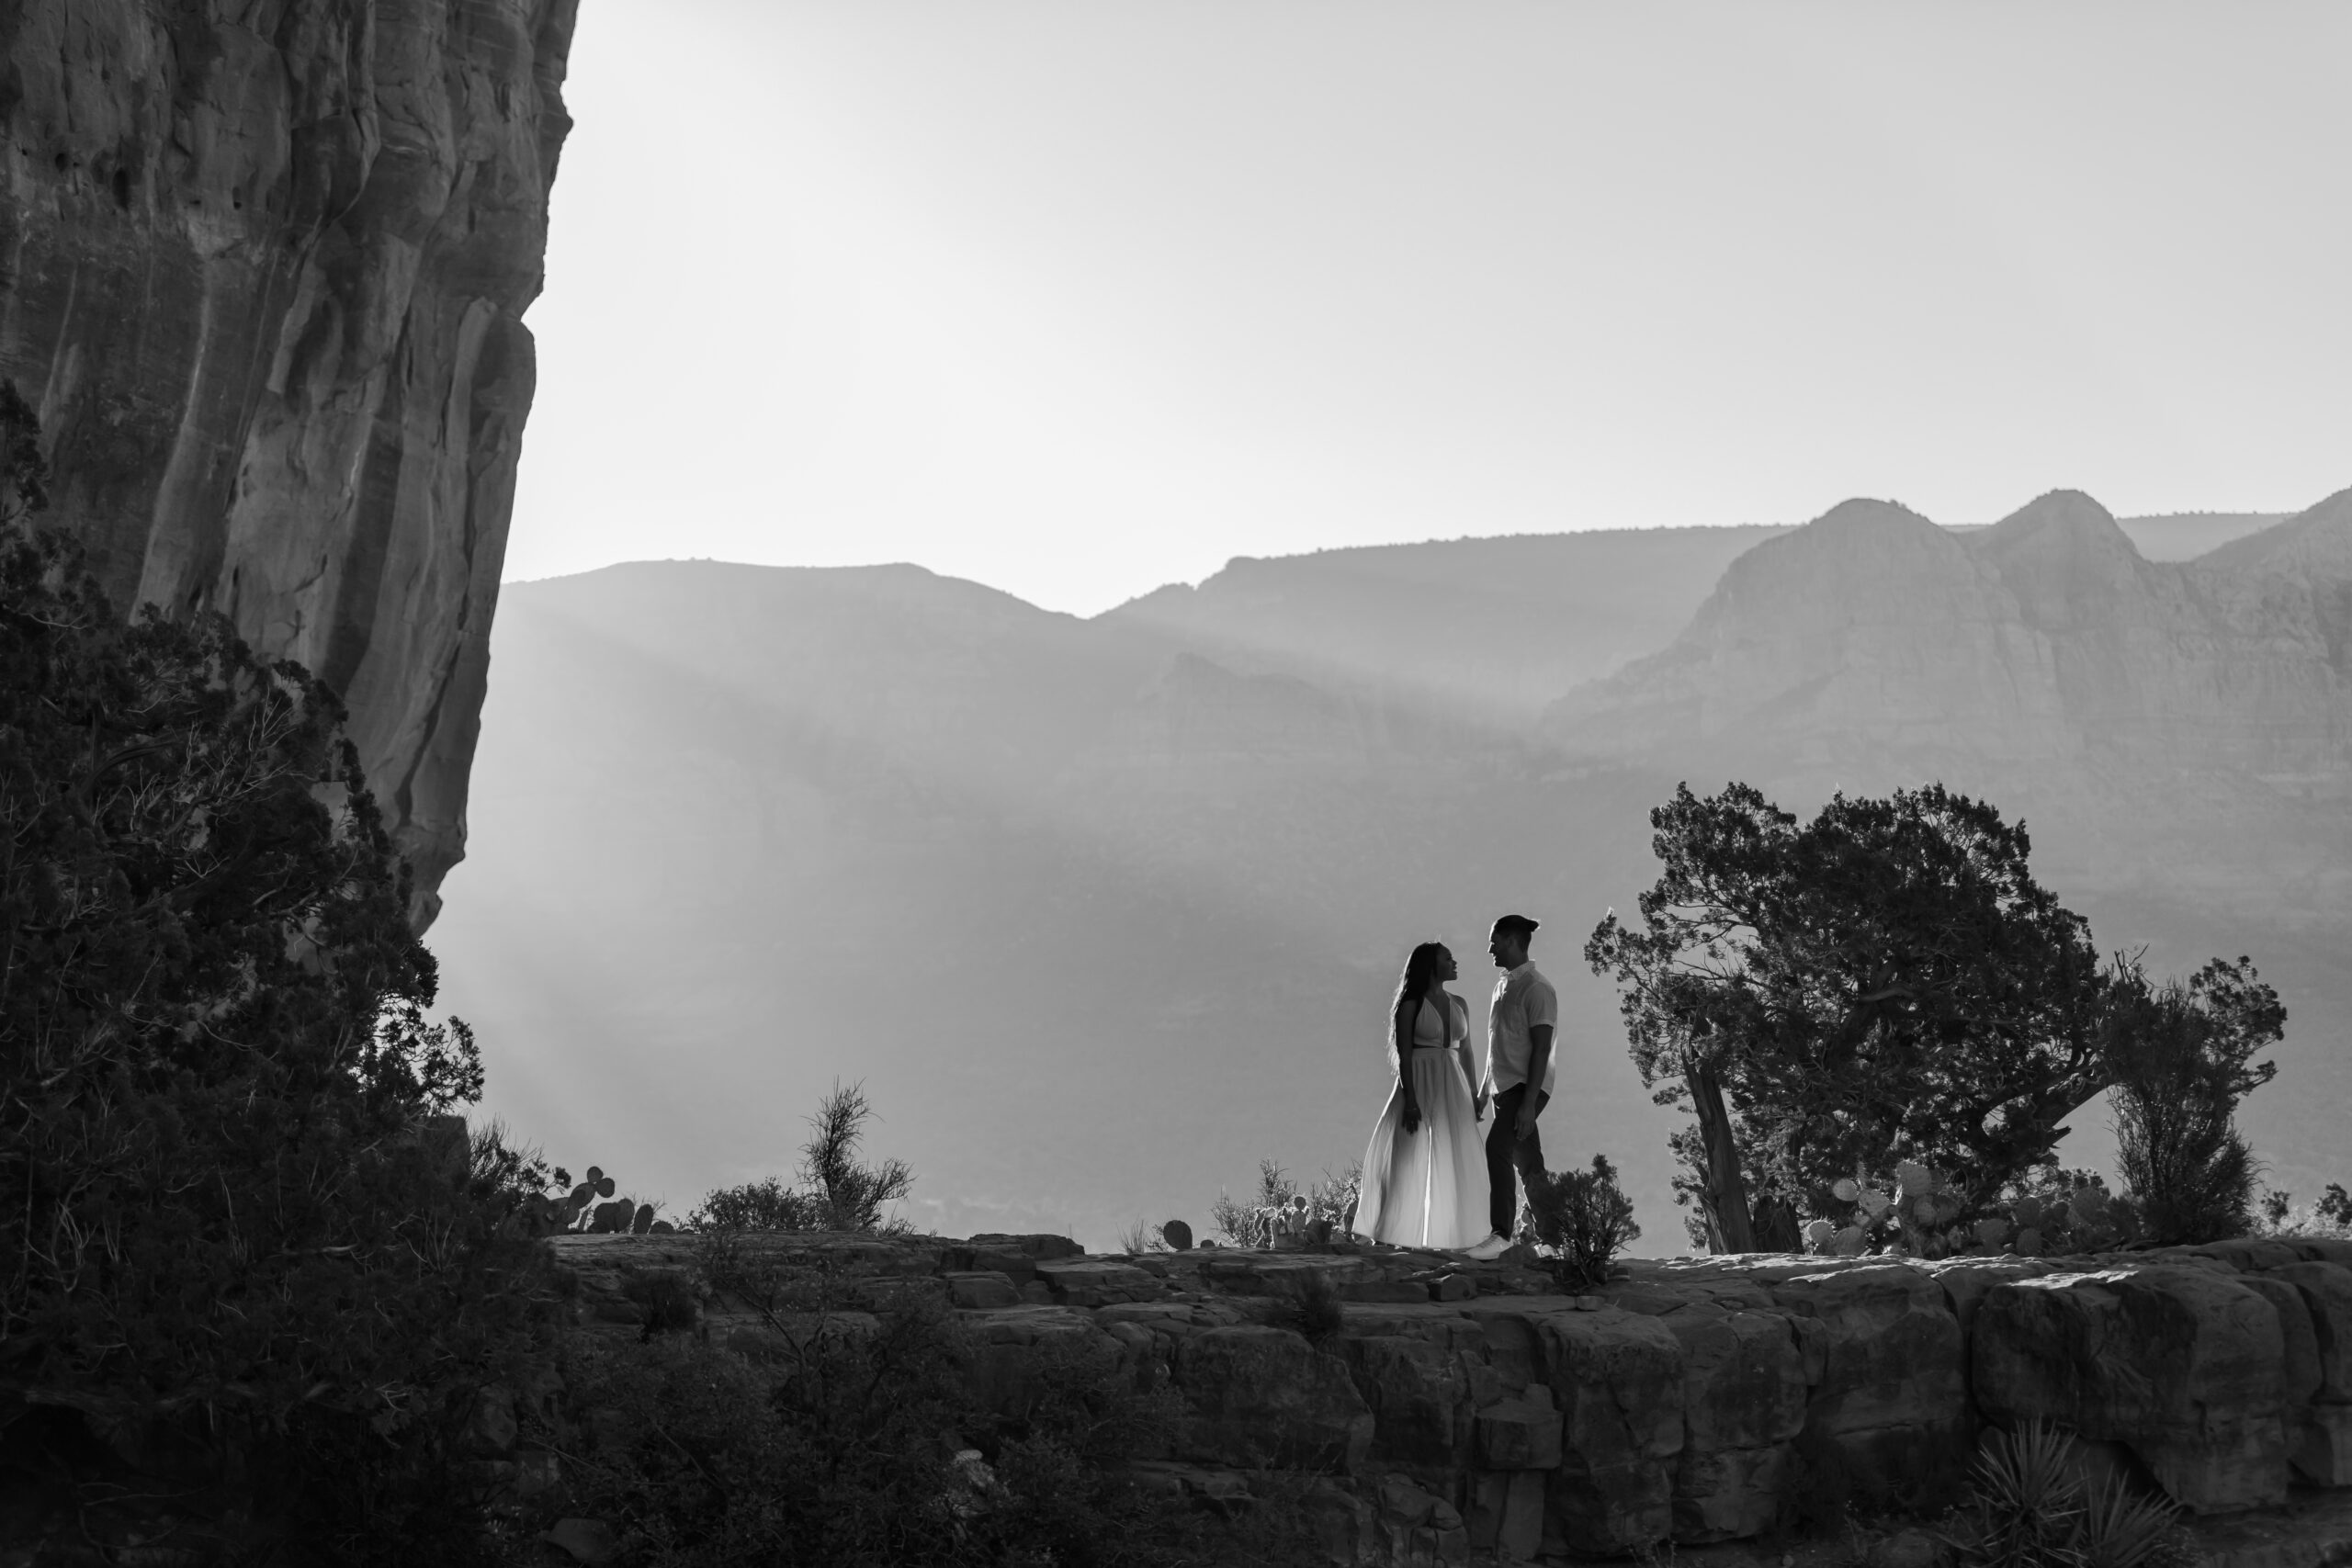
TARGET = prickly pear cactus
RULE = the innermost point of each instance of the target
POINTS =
(578, 1210)
(1927, 1207)
(1826, 1238)
(2059, 1212)
(1919, 1215)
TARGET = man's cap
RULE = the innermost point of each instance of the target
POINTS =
(1518, 925)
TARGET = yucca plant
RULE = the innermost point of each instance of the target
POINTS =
(2122, 1528)
(2029, 1508)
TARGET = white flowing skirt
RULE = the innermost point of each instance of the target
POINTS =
(1427, 1189)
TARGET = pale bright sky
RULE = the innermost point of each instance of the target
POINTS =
(1077, 298)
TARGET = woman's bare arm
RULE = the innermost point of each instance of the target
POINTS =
(1461, 1054)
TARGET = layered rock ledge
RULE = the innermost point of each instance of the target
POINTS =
(1462, 1410)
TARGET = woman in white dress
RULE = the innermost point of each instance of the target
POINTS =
(1425, 1170)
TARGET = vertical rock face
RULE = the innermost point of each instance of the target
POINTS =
(2184, 1366)
(262, 265)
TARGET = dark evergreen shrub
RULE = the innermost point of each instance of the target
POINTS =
(2335, 1205)
(238, 1245)
(846, 1436)
(1585, 1217)
(2182, 1057)
(764, 1205)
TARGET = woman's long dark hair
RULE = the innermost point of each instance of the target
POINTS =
(1412, 989)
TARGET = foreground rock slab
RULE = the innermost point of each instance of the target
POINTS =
(2184, 1367)
(1435, 1409)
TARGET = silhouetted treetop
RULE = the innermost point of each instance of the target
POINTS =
(1885, 982)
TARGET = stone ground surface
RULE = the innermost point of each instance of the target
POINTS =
(1743, 1410)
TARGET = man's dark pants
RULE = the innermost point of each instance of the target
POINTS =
(1509, 1154)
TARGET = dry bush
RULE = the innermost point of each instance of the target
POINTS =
(836, 1193)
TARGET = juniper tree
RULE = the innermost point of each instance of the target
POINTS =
(1885, 982)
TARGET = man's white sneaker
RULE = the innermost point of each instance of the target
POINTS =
(1493, 1246)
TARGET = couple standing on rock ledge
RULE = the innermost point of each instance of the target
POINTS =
(1426, 1182)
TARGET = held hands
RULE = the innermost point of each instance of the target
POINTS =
(1412, 1119)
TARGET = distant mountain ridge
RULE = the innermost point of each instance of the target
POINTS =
(1103, 910)
(2040, 660)
(1497, 628)
(1873, 617)
(1493, 628)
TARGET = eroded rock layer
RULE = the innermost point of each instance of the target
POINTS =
(262, 265)
(1456, 1410)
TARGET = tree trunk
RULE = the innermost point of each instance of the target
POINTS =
(1776, 1226)
(1724, 1197)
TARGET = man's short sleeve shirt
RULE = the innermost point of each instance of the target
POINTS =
(1523, 999)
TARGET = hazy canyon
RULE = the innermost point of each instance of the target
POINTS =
(1104, 911)
(1100, 910)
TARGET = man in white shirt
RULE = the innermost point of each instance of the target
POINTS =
(1521, 1021)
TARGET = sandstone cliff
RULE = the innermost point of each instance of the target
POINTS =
(262, 272)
